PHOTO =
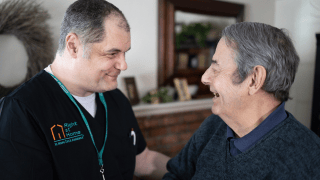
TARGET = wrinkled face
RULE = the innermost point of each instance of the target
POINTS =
(228, 97)
(99, 73)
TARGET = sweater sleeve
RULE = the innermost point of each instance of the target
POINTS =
(183, 165)
(23, 151)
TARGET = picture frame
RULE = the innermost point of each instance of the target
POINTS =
(154, 100)
(132, 92)
(183, 60)
(181, 85)
(203, 58)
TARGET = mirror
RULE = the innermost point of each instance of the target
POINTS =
(207, 25)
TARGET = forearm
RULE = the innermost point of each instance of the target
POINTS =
(151, 165)
(160, 162)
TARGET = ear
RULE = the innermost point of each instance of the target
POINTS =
(257, 79)
(72, 45)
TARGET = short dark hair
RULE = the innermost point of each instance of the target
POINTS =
(86, 19)
(261, 44)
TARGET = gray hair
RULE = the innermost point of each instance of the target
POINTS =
(86, 19)
(261, 44)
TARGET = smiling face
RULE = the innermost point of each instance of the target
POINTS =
(229, 98)
(107, 59)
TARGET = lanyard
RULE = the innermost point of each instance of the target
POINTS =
(86, 122)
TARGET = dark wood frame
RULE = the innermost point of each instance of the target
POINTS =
(166, 59)
(315, 117)
(131, 87)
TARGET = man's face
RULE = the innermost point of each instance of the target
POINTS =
(107, 59)
(228, 97)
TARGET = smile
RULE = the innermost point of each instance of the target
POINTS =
(113, 75)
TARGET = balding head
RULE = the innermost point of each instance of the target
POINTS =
(86, 19)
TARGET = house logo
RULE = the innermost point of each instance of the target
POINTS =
(63, 134)
(58, 132)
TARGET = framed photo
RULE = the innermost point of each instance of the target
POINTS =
(182, 88)
(183, 59)
(132, 90)
(203, 58)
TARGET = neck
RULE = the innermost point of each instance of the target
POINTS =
(64, 72)
(247, 120)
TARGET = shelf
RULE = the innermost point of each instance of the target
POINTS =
(143, 109)
(188, 72)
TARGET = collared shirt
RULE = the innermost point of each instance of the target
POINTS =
(239, 145)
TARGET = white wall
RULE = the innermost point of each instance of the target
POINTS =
(258, 10)
(303, 22)
(187, 18)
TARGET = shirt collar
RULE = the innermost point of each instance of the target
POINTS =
(255, 135)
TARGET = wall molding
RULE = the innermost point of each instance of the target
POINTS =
(141, 110)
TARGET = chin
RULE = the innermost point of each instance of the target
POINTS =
(214, 110)
(113, 87)
(105, 89)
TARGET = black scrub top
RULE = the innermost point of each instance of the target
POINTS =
(43, 136)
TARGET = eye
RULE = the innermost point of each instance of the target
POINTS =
(214, 62)
(112, 55)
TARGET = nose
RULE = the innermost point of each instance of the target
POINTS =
(121, 63)
(205, 78)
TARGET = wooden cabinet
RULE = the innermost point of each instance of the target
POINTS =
(191, 63)
(315, 119)
(168, 60)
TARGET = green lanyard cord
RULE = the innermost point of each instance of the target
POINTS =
(100, 153)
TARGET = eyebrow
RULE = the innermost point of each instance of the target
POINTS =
(115, 50)
(214, 62)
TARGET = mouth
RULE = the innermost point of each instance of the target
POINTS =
(215, 94)
(113, 74)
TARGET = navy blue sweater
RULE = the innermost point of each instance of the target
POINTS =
(289, 151)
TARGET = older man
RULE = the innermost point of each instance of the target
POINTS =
(250, 135)
(69, 122)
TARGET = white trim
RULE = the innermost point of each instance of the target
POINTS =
(172, 107)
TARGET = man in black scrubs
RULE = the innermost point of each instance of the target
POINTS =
(69, 122)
